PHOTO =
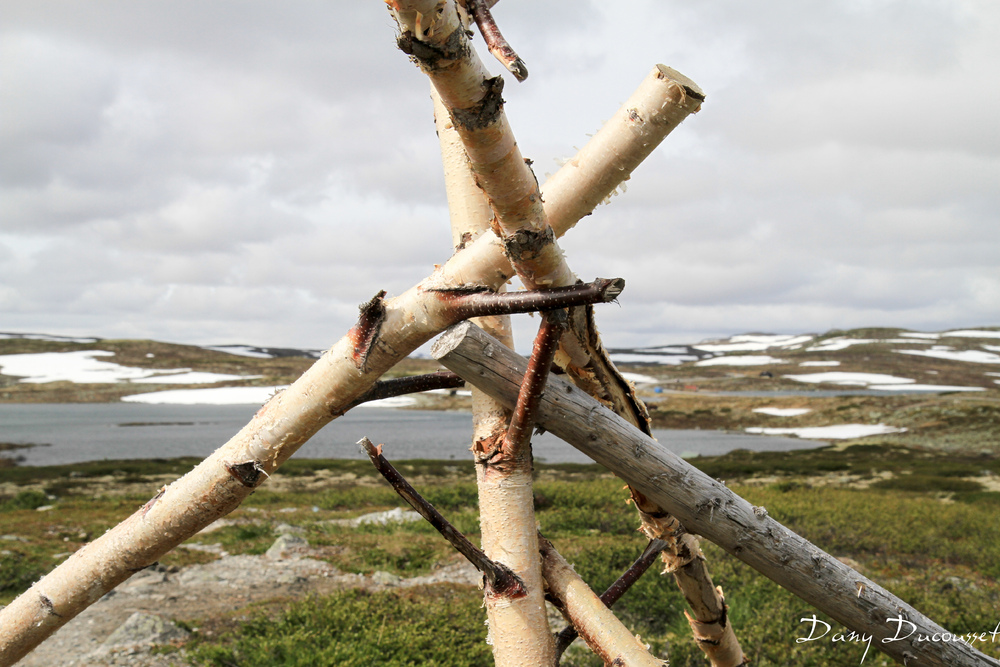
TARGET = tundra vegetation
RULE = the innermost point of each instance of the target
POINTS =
(943, 542)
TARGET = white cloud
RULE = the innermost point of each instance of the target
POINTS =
(209, 173)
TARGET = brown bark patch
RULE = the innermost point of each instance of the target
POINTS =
(363, 334)
(487, 111)
(431, 56)
(247, 473)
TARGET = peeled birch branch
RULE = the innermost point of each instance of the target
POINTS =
(223, 480)
(615, 590)
(594, 621)
(706, 507)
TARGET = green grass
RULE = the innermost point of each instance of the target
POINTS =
(927, 534)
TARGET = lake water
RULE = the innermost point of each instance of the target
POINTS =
(86, 432)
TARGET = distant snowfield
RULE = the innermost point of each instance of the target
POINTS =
(973, 356)
(972, 333)
(664, 359)
(742, 360)
(837, 432)
(876, 381)
(84, 367)
(820, 363)
(636, 378)
(754, 343)
(851, 379)
(240, 351)
(782, 412)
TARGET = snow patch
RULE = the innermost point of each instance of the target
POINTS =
(664, 359)
(753, 343)
(782, 412)
(240, 351)
(854, 379)
(972, 356)
(193, 377)
(217, 396)
(973, 333)
(836, 432)
(636, 378)
(83, 366)
(840, 343)
(820, 363)
(917, 334)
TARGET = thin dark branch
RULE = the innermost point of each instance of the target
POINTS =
(479, 302)
(616, 590)
(523, 419)
(495, 42)
(500, 580)
(408, 385)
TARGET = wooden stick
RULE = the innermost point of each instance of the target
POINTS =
(501, 582)
(516, 443)
(615, 591)
(709, 508)
(495, 41)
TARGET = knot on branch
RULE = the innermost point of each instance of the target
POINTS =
(431, 56)
(527, 244)
(363, 334)
(486, 112)
(248, 473)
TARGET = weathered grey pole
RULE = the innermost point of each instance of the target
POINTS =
(706, 507)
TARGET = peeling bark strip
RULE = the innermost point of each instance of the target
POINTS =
(364, 333)
(495, 41)
(501, 582)
(290, 418)
(480, 301)
(706, 506)
(598, 626)
(616, 590)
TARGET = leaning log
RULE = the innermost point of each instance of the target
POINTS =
(707, 507)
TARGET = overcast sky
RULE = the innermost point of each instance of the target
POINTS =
(250, 171)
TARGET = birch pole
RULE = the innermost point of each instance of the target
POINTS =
(518, 626)
(387, 331)
(434, 35)
(708, 507)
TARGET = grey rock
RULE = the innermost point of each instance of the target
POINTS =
(288, 529)
(142, 629)
(386, 579)
(13, 538)
(285, 545)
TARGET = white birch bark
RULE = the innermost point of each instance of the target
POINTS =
(597, 625)
(708, 508)
(440, 46)
(323, 392)
(518, 628)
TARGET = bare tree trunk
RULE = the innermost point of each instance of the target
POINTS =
(518, 627)
(707, 507)
(387, 332)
